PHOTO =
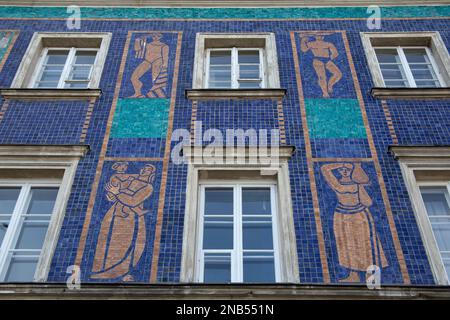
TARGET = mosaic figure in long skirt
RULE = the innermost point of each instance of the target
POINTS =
(358, 245)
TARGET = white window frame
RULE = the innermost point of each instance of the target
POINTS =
(405, 65)
(235, 66)
(277, 173)
(431, 40)
(65, 158)
(31, 62)
(236, 253)
(67, 67)
(263, 40)
(433, 160)
(14, 229)
(436, 184)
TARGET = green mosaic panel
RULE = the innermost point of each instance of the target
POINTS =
(141, 118)
(226, 13)
(334, 118)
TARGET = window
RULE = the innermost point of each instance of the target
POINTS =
(238, 242)
(235, 61)
(407, 60)
(408, 67)
(35, 184)
(437, 203)
(235, 68)
(238, 225)
(426, 171)
(63, 61)
(65, 68)
(25, 213)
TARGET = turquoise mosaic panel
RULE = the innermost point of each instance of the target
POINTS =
(226, 13)
(141, 118)
(334, 118)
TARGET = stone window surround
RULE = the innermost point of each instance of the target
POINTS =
(197, 169)
(66, 158)
(432, 40)
(265, 40)
(413, 159)
(30, 61)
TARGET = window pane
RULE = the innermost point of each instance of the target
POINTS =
(80, 73)
(249, 72)
(416, 55)
(51, 76)
(219, 201)
(218, 233)
(392, 72)
(435, 201)
(428, 84)
(220, 57)
(77, 85)
(220, 74)
(85, 57)
(42, 200)
(8, 199)
(217, 268)
(395, 83)
(387, 56)
(247, 56)
(257, 233)
(446, 260)
(256, 201)
(21, 269)
(441, 230)
(32, 235)
(57, 57)
(259, 267)
(249, 84)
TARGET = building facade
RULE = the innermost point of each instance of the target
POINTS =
(114, 123)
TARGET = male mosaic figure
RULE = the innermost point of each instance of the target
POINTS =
(324, 52)
(156, 56)
(122, 234)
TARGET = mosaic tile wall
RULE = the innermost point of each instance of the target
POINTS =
(340, 133)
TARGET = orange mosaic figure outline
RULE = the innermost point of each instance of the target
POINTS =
(122, 235)
(357, 242)
(324, 53)
(156, 58)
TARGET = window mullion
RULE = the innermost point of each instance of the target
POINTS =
(406, 67)
(235, 68)
(67, 67)
(200, 259)
(207, 66)
(238, 234)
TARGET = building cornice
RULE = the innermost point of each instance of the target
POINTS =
(220, 4)
(403, 10)
(213, 292)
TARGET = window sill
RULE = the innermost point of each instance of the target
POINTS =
(411, 93)
(49, 94)
(215, 94)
